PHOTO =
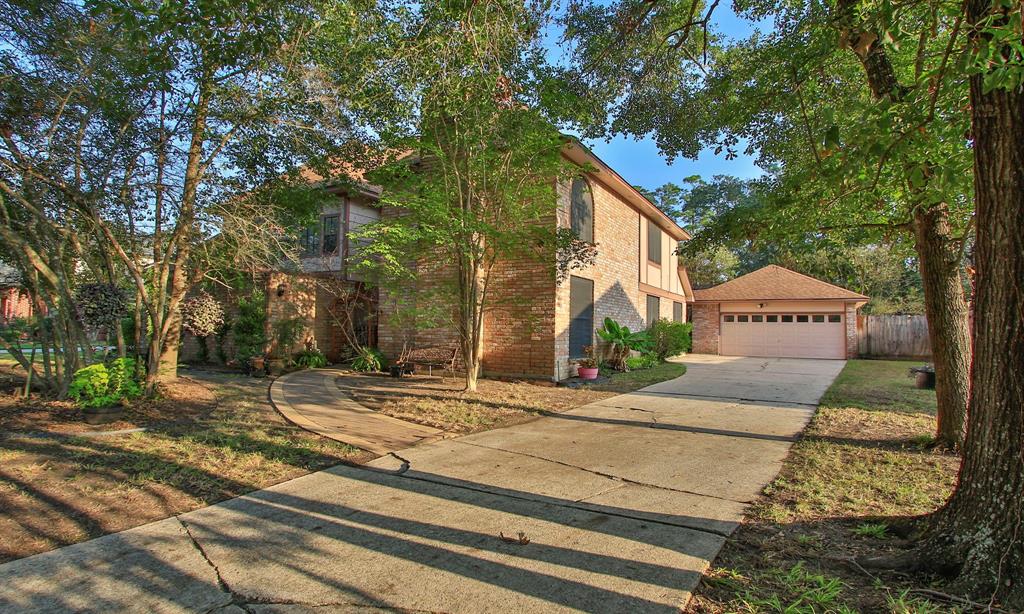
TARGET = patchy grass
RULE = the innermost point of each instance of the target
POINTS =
(863, 466)
(634, 380)
(209, 438)
(441, 402)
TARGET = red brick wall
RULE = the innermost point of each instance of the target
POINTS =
(14, 303)
(705, 328)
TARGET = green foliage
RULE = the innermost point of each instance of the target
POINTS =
(249, 327)
(100, 305)
(622, 341)
(100, 385)
(668, 338)
(647, 360)
(310, 359)
(878, 530)
(286, 335)
(15, 329)
(368, 360)
(202, 315)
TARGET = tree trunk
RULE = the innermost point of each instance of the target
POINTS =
(946, 309)
(981, 528)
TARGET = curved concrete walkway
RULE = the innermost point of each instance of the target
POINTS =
(312, 400)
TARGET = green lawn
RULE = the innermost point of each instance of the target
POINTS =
(863, 465)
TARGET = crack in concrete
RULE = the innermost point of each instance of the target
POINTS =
(610, 476)
(582, 508)
(405, 464)
(738, 400)
(206, 557)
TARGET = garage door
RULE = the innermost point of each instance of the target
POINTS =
(789, 335)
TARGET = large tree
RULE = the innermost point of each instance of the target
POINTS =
(855, 109)
(132, 128)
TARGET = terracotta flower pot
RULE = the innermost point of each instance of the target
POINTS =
(588, 372)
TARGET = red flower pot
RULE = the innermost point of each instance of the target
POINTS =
(588, 373)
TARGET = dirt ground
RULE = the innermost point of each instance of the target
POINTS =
(442, 403)
(209, 437)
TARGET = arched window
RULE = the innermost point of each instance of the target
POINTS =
(581, 210)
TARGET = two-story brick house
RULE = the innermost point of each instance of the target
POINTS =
(542, 324)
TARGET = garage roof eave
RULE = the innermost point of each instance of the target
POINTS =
(845, 299)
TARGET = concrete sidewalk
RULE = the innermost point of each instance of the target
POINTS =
(312, 400)
(621, 505)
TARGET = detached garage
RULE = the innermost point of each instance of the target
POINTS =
(775, 312)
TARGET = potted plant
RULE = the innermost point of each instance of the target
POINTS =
(101, 390)
(587, 367)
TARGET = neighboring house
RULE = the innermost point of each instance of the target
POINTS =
(14, 300)
(776, 312)
(541, 325)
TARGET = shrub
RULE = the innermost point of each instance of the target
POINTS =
(101, 385)
(670, 338)
(647, 360)
(623, 341)
(248, 328)
(368, 360)
(100, 305)
(202, 315)
(310, 359)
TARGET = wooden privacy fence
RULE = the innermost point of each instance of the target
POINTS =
(893, 336)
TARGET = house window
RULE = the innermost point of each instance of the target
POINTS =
(756, 318)
(730, 318)
(801, 318)
(581, 315)
(835, 318)
(581, 210)
(653, 309)
(818, 319)
(787, 318)
(772, 318)
(330, 234)
(653, 242)
(677, 311)
(741, 318)
(309, 241)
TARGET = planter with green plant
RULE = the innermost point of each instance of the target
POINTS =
(101, 390)
(587, 367)
(622, 341)
(368, 360)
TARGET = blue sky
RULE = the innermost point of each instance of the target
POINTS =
(640, 162)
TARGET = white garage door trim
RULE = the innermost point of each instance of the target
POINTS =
(783, 335)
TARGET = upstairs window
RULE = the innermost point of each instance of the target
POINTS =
(581, 210)
(330, 235)
(653, 242)
(309, 241)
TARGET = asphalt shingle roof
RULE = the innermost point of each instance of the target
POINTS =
(775, 283)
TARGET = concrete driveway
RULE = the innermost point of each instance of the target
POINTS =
(612, 507)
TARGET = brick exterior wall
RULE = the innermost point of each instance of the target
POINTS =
(14, 303)
(852, 338)
(519, 327)
(705, 328)
(616, 273)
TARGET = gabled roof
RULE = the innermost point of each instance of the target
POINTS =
(775, 283)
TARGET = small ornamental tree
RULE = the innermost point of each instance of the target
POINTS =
(100, 305)
(475, 182)
(202, 315)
